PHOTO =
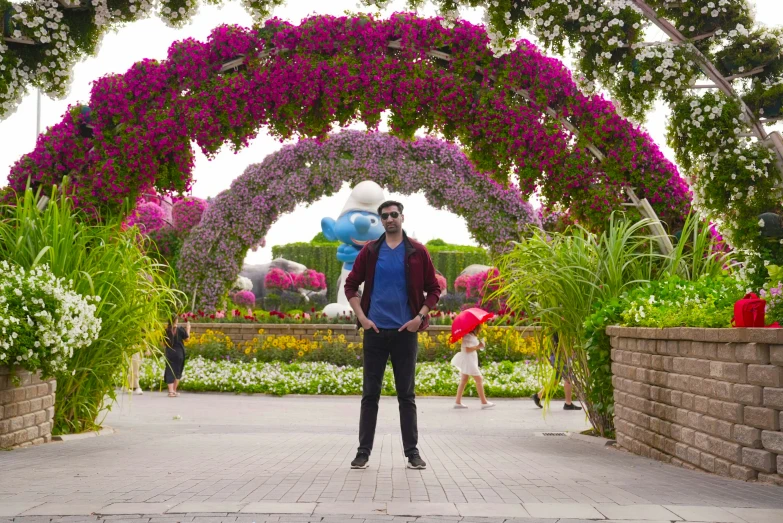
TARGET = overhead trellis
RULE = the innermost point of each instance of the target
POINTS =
(717, 68)
(517, 114)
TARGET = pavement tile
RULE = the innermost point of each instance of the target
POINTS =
(64, 509)
(492, 510)
(367, 508)
(206, 507)
(758, 515)
(637, 512)
(135, 508)
(14, 508)
(399, 508)
(562, 510)
(268, 507)
(706, 514)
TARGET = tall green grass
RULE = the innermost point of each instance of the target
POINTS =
(102, 260)
(559, 279)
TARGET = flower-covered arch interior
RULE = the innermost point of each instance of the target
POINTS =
(240, 217)
(520, 113)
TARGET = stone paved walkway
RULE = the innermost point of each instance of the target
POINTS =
(223, 457)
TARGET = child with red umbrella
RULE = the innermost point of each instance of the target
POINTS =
(467, 326)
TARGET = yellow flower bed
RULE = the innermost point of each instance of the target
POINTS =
(501, 344)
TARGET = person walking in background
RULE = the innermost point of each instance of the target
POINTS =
(562, 371)
(175, 353)
(134, 376)
(466, 360)
(397, 273)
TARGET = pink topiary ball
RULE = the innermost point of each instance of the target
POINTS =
(147, 216)
(311, 280)
(461, 283)
(277, 279)
(187, 213)
(244, 299)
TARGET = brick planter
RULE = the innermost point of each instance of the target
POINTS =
(239, 332)
(710, 399)
(27, 410)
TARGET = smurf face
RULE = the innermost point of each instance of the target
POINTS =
(354, 229)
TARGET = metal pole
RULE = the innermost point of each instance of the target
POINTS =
(38, 117)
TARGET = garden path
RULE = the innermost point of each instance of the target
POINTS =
(225, 457)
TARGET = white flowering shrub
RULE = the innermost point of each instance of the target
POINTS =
(42, 319)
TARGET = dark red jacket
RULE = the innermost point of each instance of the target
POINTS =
(419, 275)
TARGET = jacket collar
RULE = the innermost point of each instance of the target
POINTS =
(409, 247)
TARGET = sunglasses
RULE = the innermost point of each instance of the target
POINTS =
(393, 214)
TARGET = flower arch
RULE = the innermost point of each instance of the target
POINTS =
(520, 113)
(238, 218)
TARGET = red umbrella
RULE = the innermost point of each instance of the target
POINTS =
(466, 321)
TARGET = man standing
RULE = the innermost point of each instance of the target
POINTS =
(396, 272)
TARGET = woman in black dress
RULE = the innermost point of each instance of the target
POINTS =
(175, 353)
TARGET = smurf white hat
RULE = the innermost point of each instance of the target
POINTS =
(366, 196)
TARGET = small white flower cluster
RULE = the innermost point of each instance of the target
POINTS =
(43, 23)
(736, 163)
(42, 319)
(242, 284)
(516, 380)
(176, 13)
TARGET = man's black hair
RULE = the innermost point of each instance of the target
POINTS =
(389, 203)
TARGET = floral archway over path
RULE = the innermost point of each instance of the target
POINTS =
(520, 113)
(240, 217)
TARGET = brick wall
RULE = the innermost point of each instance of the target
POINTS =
(27, 410)
(710, 399)
(246, 331)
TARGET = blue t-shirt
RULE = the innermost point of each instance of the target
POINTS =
(389, 307)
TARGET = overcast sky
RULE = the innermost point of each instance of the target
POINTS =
(151, 39)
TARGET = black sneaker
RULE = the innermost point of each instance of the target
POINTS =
(537, 400)
(571, 406)
(360, 461)
(415, 462)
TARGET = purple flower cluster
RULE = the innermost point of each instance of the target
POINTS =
(340, 70)
(187, 213)
(238, 218)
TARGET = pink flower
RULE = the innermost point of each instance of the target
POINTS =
(310, 280)
(244, 299)
(277, 279)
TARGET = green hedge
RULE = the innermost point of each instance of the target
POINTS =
(321, 255)
(450, 260)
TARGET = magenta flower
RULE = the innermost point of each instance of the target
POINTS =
(244, 299)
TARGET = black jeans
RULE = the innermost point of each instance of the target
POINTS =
(403, 348)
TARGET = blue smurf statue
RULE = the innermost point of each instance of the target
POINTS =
(357, 224)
